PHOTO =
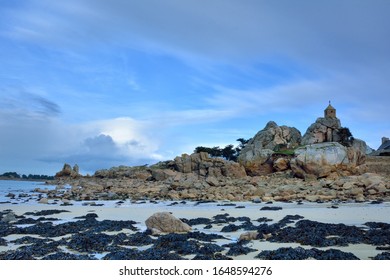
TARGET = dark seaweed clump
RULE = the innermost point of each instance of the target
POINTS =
(3, 242)
(46, 212)
(236, 249)
(318, 234)
(382, 256)
(300, 253)
(134, 254)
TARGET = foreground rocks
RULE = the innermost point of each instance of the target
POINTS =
(165, 222)
(88, 238)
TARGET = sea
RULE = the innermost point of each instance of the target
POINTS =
(23, 190)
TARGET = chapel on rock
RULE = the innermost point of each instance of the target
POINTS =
(330, 112)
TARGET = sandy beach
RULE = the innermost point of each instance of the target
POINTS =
(349, 214)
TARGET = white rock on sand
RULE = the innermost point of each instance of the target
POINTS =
(165, 222)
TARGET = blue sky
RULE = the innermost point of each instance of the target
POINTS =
(106, 83)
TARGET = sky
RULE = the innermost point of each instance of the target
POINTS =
(108, 83)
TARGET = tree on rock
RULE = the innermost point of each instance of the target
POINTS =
(345, 135)
(229, 152)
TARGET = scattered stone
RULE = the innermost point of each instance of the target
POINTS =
(43, 200)
(247, 236)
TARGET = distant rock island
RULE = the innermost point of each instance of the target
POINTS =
(325, 164)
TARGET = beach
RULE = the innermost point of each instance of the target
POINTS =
(216, 228)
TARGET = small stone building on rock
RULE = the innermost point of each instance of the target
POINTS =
(324, 129)
(330, 112)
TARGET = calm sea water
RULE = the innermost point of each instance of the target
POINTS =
(19, 188)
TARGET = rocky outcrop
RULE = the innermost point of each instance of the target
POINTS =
(281, 164)
(256, 155)
(68, 171)
(271, 138)
(198, 163)
(320, 160)
(165, 222)
(134, 172)
(323, 130)
(201, 164)
(279, 186)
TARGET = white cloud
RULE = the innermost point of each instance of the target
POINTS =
(33, 135)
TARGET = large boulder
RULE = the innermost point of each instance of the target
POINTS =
(323, 130)
(321, 159)
(165, 222)
(268, 139)
(256, 156)
(358, 151)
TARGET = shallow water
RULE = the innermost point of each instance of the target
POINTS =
(21, 188)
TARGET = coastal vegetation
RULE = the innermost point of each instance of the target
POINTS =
(30, 177)
(229, 152)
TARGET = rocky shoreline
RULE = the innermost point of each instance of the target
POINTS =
(168, 184)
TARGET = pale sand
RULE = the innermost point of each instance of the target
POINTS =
(347, 213)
